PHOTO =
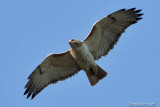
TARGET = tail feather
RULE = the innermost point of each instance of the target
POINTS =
(101, 73)
(93, 79)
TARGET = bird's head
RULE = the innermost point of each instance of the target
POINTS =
(75, 43)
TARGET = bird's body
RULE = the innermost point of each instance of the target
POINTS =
(85, 60)
(104, 35)
(83, 57)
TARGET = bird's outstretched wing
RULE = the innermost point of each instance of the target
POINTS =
(55, 67)
(106, 32)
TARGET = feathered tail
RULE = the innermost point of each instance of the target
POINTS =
(93, 79)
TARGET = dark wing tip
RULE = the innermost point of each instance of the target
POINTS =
(138, 18)
(29, 94)
(134, 22)
(131, 9)
(33, 95)
(123, 9)
(134, 11)
(26, 92)
(29, 90)
(139, 14)
(137, 11)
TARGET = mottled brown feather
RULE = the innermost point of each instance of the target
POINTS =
(107, 31)
(54, 68)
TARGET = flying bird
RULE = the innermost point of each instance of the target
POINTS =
(82, 55)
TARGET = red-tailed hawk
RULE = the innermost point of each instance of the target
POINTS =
(82, 55)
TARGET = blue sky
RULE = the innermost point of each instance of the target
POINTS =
(31, 29)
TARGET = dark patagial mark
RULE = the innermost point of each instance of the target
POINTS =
(112, 18)
(39, 69)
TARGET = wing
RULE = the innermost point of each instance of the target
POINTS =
(55, 67)
(106, 32)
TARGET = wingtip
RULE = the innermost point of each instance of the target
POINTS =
(26, 92)
(33, 96)
(123, 9)
(25, 86)
(132, 9)
(137, 11)
(134, 22)
(138, 18)
(29, 94)
(140, 14)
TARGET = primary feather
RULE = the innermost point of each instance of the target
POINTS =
(107, 31)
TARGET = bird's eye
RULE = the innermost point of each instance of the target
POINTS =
(76, 44)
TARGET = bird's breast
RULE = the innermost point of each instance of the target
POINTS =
(83, 57)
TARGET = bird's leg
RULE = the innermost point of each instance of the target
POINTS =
(93, 70)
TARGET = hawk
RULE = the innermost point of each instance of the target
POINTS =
(82, 55)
